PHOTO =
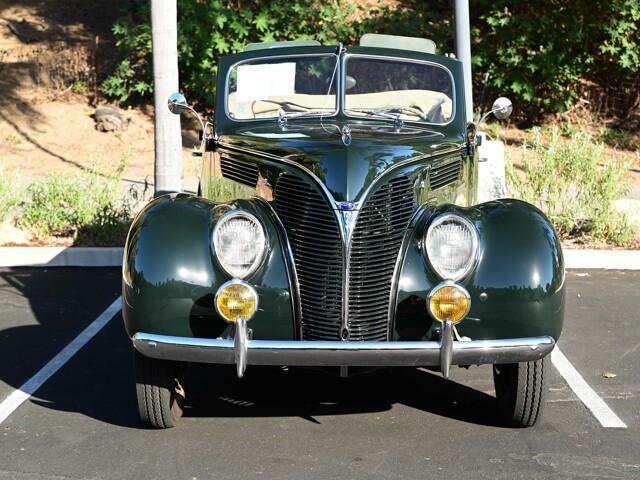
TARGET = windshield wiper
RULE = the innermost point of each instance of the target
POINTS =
(284, 116)
(397, 121)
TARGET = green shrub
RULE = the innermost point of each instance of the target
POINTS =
(85, 207)
(132, 75)
(563, 177)
(9, 194)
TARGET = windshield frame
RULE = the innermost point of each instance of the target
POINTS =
(343, 93)
(337, 107)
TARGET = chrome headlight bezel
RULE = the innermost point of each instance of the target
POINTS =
(226, 217)
(475, 243)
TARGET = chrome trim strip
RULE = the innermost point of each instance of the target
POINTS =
(339, 353)
(393, 295)
(292, 274)
(346, 255)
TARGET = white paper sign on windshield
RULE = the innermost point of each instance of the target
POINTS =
(258, 82)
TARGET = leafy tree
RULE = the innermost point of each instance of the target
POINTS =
(536, 52)
(208, 29)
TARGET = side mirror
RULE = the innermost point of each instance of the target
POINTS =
(501, 109)
(177, 103)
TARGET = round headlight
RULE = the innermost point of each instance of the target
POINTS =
(451, 244)
(239, 243)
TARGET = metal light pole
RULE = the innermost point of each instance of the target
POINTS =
(463, 50)
(168, 141)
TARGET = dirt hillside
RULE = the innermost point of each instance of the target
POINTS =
(53, 56)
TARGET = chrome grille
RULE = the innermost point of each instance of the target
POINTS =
(314, 236)
(241, 172)
(375, 246)
(444, 174)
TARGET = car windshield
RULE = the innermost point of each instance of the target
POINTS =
(273, 87)
(404, 89)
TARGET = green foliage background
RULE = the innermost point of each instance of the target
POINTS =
(536, 52)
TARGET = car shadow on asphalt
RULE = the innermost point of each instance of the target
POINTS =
(98, 381)
(312, 394)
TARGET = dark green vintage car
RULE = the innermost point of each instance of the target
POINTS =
(337, 226)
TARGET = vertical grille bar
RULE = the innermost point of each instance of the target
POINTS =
(314, 236)
(375, 246)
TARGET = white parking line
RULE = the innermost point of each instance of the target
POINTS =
(17, 397)
(585, 393)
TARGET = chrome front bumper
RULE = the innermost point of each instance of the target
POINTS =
(322, 353)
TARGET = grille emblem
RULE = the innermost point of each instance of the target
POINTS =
(347, 206)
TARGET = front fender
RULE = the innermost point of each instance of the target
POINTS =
(170, 274)
(517, 287)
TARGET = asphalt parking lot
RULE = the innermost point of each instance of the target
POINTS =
(82, 423)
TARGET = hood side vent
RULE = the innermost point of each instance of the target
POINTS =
(241, 172)
(444, 174)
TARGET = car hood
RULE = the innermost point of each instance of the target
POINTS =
(346, 170)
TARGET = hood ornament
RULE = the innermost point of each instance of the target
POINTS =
(346, 135)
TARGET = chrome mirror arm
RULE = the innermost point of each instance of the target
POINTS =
(205, 135)
(204, 126)
(483, 118)
(199, 118)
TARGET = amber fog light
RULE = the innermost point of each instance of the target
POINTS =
(236, 299)
(449, 301)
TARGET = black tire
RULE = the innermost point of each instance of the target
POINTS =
(159, 389)
(521, 391)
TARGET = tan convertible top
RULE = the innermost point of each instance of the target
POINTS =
(436, 105)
